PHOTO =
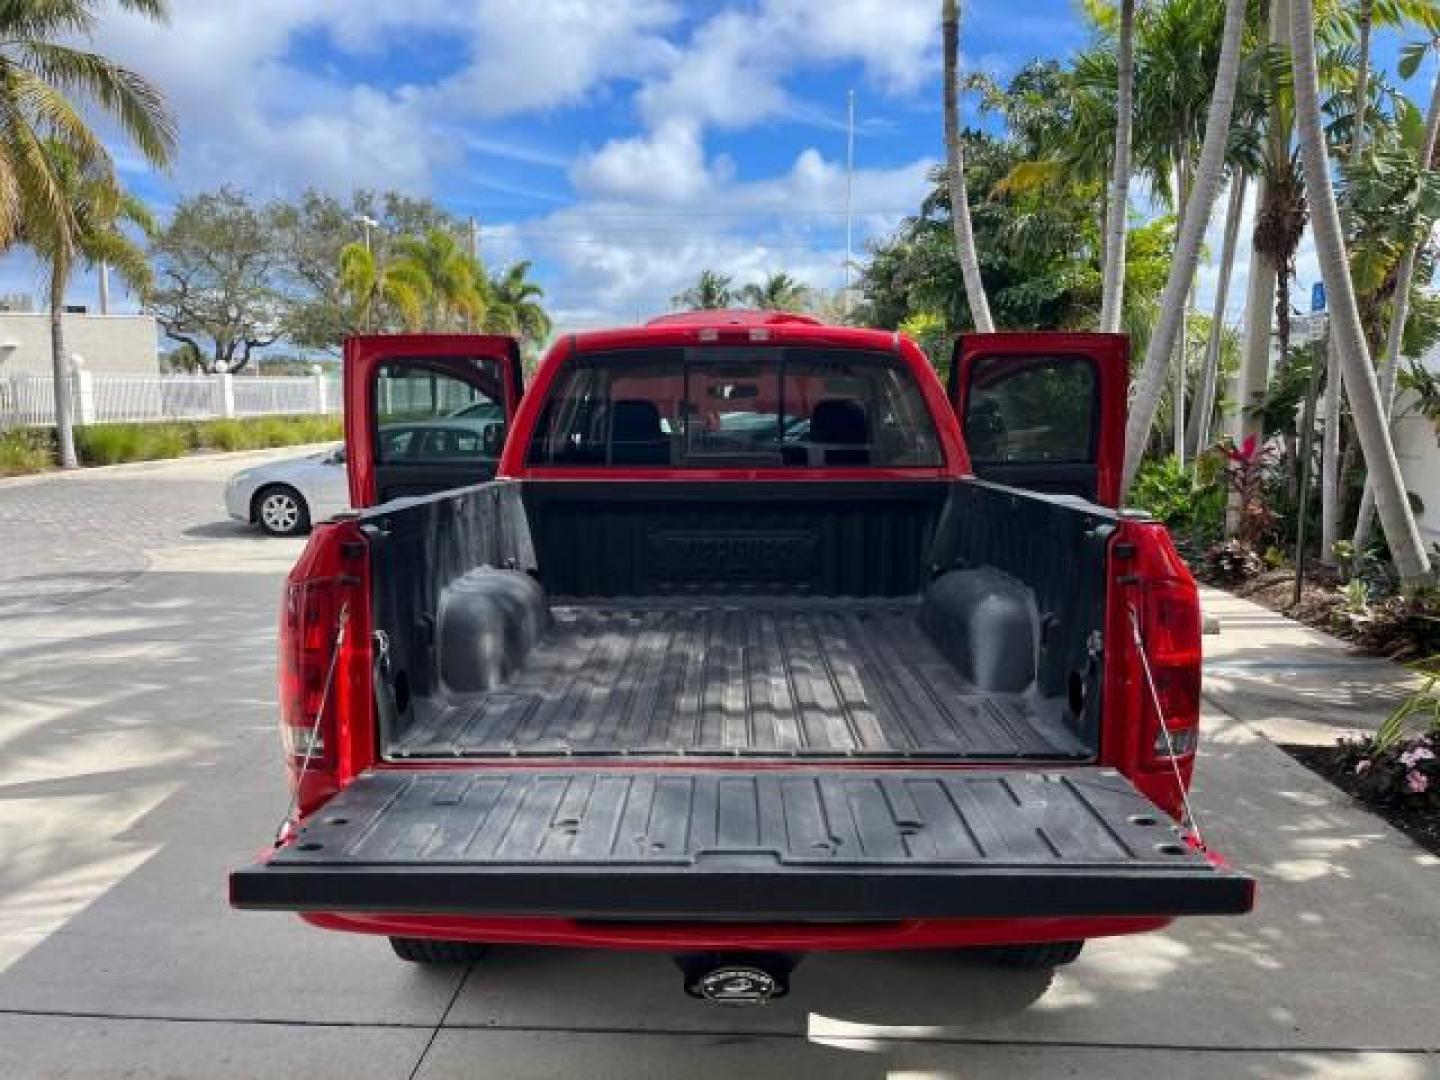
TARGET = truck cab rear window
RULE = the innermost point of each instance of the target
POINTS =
(760, 407)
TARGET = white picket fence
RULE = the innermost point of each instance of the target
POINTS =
(29, 400)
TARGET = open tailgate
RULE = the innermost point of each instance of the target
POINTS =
(838, 844)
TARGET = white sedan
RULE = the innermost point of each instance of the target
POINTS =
(284, 497)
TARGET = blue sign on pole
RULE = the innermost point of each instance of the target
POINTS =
(1317, 296)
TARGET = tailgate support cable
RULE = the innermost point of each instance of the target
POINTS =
(1189, 817)
(292, 816)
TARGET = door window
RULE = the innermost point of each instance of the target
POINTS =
(1031, 411)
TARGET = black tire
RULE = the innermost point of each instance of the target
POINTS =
(280, 510)
(1047, 954)
(427, 951)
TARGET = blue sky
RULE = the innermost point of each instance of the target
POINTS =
(621, 146)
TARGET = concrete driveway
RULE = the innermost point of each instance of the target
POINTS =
(138, 763)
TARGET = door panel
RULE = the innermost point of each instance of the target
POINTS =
(1044, 410)
(426, 412)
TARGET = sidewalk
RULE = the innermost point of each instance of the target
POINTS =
(1291, 683)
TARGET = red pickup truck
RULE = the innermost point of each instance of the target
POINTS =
(753, 640)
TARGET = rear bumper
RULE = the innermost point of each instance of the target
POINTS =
(693, 937)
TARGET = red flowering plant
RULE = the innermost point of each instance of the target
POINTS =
(1400, 764)
(1246, 469)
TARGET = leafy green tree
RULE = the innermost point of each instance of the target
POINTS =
(96, 208)
(778, 292)
(379, 291)
(711, 290)
(1038, 245)
(457, 296)
(218, 278)
(315, 229)
(515, 306)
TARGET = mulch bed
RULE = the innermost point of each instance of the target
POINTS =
(1419, 823)
(1275, 589)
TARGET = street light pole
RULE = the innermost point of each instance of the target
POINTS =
(366, 223)
(849, 187)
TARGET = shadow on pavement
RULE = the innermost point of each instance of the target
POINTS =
(138, 764)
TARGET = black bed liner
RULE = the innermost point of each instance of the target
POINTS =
(846, 844)
(822, 677)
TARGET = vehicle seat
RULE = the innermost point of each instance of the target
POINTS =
(636, 437)
(839, 427)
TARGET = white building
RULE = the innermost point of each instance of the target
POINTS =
(103, 344)
(1417, 445)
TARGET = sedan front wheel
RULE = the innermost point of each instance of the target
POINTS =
(281, 511)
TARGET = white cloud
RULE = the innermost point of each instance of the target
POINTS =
(732, 72)
(619, 256)
(540, 54)
(251, 113)
(667, 166)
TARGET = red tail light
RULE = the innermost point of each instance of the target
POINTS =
(310, 670)
(1170, 627)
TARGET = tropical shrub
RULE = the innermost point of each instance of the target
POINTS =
(1190, 503)
(1405, 773)
(25, 450)
(1403, 627)
(1400, 764)
(1232, 562)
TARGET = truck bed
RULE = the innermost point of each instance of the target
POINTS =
(751, 677)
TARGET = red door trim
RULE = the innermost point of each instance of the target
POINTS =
(449, 354)
(1110, 353)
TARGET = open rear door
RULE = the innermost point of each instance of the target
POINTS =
(1044, 410)
(426, 412)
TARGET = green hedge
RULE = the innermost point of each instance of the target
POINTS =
(26, 450)
(33, 450)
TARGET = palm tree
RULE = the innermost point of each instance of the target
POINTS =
(371, 283)
(1208, 174)
(778, 292)
(1113, 287)
(1330, 446)
(456, 298)
(41, 75)
(955, 173)
(1400, 311)
(91, 234)
(712, 290)
(1345, 327)
(1203, 408)
(515, 308)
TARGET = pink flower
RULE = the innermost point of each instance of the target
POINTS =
(1414, 756)
(1362, 766)
(1417, 783)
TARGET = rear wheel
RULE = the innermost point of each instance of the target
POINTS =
(428, 951)
(281, 511)
(1046, 954)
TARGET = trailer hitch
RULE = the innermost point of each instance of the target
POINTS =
(737, 978)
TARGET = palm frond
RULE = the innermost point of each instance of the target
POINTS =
(133, 100)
